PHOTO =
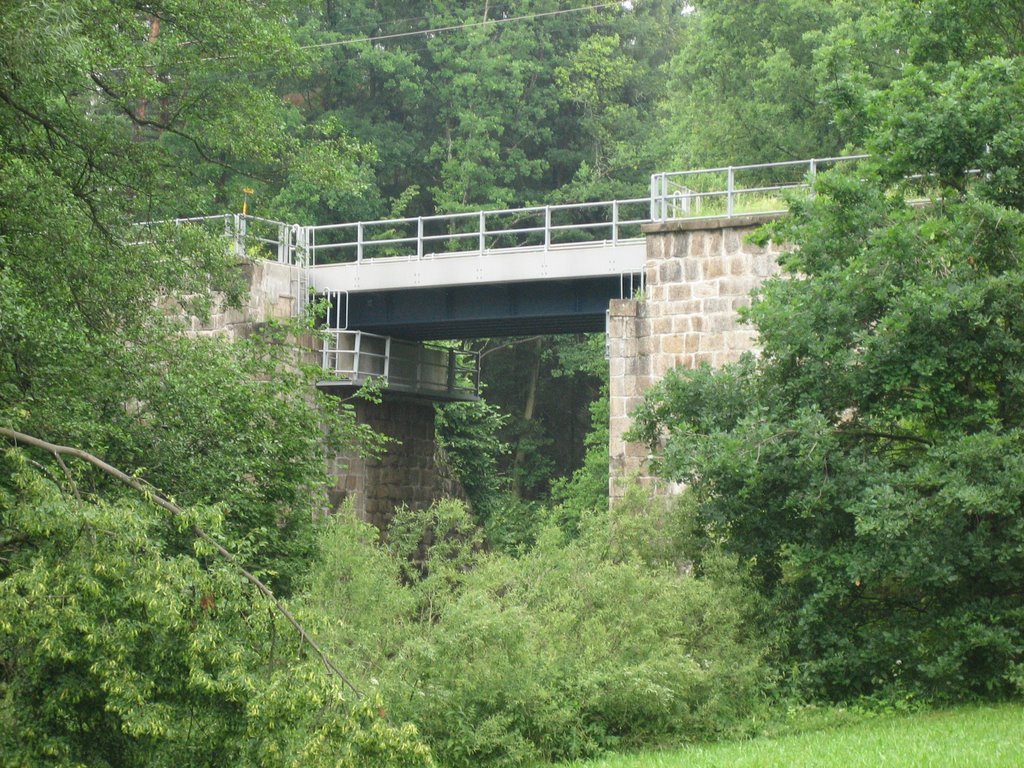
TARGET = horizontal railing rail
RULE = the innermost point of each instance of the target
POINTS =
(704, 193)
(356, 357)
(541, 227)
(734, 190)
(250, 235)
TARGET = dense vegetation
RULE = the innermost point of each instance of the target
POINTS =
(853, 525)
(562, 651)
(867, 462)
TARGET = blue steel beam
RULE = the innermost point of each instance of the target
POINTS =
(477, 311)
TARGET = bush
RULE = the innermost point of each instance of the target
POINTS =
(117, 650)
(564, 651)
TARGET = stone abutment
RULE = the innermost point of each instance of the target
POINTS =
(697, 276)
(412, 471)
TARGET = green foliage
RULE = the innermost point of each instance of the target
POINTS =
(119, 650)
(469, 434)
(499, 114)
(515, 523)
(330, 179)
(866, 463)
(107, 116)
(545, 385)
(120, 642)
(959, 122)
(742, 85)
(587, 489)
(566, 650)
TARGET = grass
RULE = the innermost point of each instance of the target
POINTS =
(967, 737)
(743, 203)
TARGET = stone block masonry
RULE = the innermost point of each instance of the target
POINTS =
(413, 471)
(271, 296)
(697, 276)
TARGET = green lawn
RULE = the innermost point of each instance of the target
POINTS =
(984, 736)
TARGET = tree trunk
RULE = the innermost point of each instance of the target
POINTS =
(528, 408)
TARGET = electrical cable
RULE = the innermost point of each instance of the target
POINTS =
(456, 27)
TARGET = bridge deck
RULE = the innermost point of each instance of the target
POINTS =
(507, 265)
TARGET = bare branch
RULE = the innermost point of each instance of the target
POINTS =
(67, 474)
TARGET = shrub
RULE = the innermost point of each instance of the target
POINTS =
(566, 650)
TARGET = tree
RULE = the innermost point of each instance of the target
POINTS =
(91, 352)
(119, 651)
(867, 462)
(122, 641)
(545, 384)
(508, 104)
(743, 86)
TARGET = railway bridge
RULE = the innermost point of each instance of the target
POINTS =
(662, 275)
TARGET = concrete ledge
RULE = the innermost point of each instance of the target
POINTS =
(718, 222)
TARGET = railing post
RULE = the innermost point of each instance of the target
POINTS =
(359, 242)
(356, 351)
(239, 221)
(729, 192)
(419, 237)
(387, 357)
(547, 227)
(296, 245)
(299, 259)
(483, 231)
(615, 222)
(451, 370)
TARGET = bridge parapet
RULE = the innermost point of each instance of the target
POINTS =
(440, 372)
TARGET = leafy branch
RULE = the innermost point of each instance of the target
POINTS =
(151, 495)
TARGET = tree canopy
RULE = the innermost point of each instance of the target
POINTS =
(867, 461)
(123, 640)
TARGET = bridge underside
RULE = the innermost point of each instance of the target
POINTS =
(479, 311)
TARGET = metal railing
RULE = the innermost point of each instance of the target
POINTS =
(704, 193)
(734, 190)
(355, 357)
(535, 227)
(249, 235)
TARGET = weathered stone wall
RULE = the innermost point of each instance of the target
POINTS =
(413, 470)
(271, 296)
(697, 275)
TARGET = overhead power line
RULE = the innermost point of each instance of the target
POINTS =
(455, 27)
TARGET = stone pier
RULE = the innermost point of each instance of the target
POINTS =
(697, 275)
(412, 471)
